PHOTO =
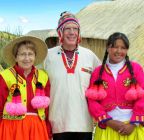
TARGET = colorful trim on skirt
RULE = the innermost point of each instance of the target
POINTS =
(110, 134)
(29, 128)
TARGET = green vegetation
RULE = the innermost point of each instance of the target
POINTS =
(5, 38)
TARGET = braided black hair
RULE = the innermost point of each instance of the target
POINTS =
(99, 81)
(128, 63)
(111, 43)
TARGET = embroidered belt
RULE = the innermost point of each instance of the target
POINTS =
(6, 116)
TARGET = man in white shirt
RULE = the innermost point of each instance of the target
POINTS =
(69, 67)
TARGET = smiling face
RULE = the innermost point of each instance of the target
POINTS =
(118, 52)
(70, 36)
(25, 57)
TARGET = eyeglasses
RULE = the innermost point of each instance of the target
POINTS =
(23, 55)
(69, 29)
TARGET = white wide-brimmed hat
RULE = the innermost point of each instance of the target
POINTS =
(40, 47)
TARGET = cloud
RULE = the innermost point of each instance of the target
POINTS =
(1, 20)
(23, 19)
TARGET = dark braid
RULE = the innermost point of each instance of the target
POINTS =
(99, 80)
(130, 68)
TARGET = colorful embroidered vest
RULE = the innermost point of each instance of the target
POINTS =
(9, 75)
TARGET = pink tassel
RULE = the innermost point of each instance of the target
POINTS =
(10, 108)
(20, 109)
(131, 94)
(16, 99)
(15, 107)
(91, 92)
(102, 93)
(40, 100)
(140, 91)
(38, 92)
(96, 93)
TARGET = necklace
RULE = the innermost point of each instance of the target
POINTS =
(70, 63)
(70, 60)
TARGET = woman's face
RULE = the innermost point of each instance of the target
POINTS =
(118, 52)
(25, 57)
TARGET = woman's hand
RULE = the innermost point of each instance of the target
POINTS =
(127, 129)
(115, 125)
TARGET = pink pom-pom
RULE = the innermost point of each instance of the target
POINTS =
(96, 93)
(15, 109)
(10, 108)
(91, 92)
(140, 91)
(102, 93)
(131, 94)
(40, 102)
(20, 109)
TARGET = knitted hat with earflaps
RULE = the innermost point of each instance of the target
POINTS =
(66, 18)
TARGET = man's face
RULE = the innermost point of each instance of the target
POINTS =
(70, 35)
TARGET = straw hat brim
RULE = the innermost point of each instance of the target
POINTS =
(40, 47)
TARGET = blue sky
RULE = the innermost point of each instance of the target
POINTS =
(27, 15)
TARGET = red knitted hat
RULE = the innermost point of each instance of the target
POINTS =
(65, 18)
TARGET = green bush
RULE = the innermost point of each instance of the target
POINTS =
(5, 38)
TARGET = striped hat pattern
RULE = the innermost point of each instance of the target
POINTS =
(66, 17)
